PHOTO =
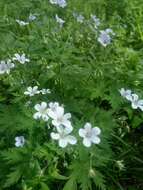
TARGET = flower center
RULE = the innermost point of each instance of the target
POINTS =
(88, 134)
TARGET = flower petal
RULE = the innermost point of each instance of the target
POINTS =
(134, 105)
(43, 105)
(71, 139)
(37, 107)
(96, 131)
(63, 143)
(86, 142)
(45, 117)
(67, 123)
(55, 136)
(82, 132)
(37, 115)
(59, 112)
(95, 140)
(88, 126)
(67, 116)
(135, 97)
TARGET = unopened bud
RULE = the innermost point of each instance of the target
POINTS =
(91, 173)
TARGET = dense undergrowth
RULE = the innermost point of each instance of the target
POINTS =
(84, 58)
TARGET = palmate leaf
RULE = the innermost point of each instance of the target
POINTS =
(15, 156)
(81, 174)
(13, 118)
(99, 181)
(13, 177)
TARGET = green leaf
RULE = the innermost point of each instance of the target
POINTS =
(70, 184)
(56, 175)
(44, 186)
(136, 121)
(99, 180)
(13, 177)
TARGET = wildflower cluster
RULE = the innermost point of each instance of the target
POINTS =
(62, 125)
(65, 51)
(6, 66)
(31, 91)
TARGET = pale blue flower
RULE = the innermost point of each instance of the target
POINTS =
(63, 136)
(90, 135)
(60, 3)
(19, 141)
(104, 37)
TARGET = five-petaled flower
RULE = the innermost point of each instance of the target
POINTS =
(59, 118)
(19, 141)
(31, 91)
(104, 37)
(90, 135)
(63, 136)
(42, 111)
(20, 58)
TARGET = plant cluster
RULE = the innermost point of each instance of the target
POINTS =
(66, 70)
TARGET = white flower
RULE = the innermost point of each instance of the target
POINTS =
(42, 111)
(59, 20)
(96, 20)
(126, 93)
(10, 64)
(79, 18)
(136, 103)
(21, 22)
(31, 91)
(5, 67)
(89, 135)
(53, 106)
(63, 136)
(109, 31)
(104, 38)
(32, 17)
(59, 118)
(45, 91)
(20, 141)
(21, 58)
(61, 3)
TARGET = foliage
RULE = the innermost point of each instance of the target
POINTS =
(85, 77)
